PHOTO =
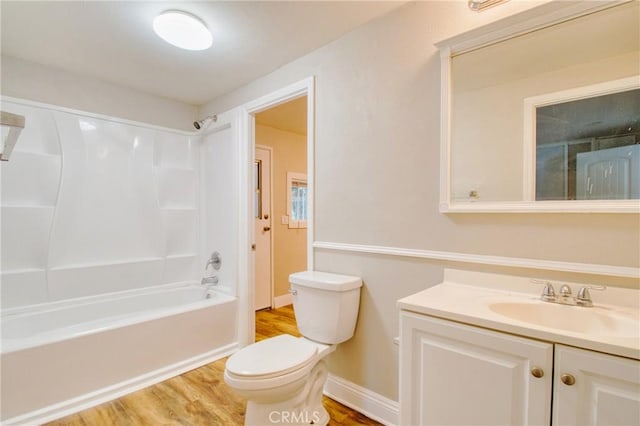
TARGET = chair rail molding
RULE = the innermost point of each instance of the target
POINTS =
(514, 262)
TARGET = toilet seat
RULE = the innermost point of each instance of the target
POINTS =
(272, 357)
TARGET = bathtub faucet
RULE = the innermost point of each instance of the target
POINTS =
(210, 281)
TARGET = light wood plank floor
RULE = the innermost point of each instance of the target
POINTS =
(200, 397)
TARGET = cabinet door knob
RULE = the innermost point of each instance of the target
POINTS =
(266, 228)
(537, 372)
(568, 379)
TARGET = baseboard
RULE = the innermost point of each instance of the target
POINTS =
(284, 300)
(367, 402)
(110, 393)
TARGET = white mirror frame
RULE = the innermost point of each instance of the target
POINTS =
(539, 17)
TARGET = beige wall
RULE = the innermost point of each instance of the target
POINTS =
(289, 245)
(31, 81)
(377, 179)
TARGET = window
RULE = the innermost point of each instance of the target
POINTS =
(297, 199)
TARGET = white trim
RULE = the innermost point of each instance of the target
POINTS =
(545, 15)
(246, 228)
(445, 128)
(363, 400)
(112, 392)
(246, 128)
(87, 114)
(513, 262)
(284, 300)
(573, 206)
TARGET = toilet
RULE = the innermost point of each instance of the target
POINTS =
(282, 377)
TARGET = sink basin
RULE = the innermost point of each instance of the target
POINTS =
(594, 321)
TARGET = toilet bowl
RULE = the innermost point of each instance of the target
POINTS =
(282, 377)
(278, 377)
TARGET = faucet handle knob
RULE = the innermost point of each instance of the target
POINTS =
(215, 261)
(548, 292)
(584, 297)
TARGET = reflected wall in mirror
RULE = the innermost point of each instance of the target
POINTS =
(491, 78)
(586, 142)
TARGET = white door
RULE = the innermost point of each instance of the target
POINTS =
(595, 389)
(262, 186)
(609, 174)
(453, 374)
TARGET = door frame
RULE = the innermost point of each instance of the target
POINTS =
(246, 147)
(271, 233)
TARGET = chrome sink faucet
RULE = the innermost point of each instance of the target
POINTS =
(565, 297)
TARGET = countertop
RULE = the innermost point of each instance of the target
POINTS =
(471, 304)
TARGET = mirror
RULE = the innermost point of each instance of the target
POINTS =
(541, 111)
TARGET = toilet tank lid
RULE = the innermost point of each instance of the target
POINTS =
(325, 280)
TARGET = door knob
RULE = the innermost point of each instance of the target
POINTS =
(266, 228)
(568, 379)
(537, 372)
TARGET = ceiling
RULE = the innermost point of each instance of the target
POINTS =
(290, 116)
(114, 41)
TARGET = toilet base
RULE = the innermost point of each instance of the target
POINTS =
(304, 408)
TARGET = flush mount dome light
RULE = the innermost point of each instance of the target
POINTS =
(182, 30)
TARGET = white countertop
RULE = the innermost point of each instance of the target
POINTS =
(471, 304)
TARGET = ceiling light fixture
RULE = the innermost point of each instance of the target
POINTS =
(480, 5)
(182, 30)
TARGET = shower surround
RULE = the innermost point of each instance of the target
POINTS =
(96, 208)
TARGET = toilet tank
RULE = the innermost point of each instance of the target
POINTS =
(326, 305)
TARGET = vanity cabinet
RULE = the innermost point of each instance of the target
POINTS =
(454, 374)
(606, 390)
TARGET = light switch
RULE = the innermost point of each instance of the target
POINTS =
(285, 220)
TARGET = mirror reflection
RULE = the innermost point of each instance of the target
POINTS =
(496, 155)
(588, 149)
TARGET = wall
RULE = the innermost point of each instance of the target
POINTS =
(91, 205)
(289, 245)
(377, 180)
(28, 80)
(218, 201)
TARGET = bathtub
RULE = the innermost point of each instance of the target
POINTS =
(59, 358)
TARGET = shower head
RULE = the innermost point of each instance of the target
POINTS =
(205, 122)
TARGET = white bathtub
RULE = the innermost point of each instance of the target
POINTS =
(59, 358)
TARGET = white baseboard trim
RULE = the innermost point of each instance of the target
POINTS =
(367, 402)
(515, 262)
(110, 393)
(284, 300)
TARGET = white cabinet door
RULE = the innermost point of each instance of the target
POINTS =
(606, 389)
(454, 374)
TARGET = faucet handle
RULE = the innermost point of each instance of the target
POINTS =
(584, 297)
(215, 261)
(548, 292)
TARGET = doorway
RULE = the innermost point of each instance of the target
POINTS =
(281, 201)
(245, 134)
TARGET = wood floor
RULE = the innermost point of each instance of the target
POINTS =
(200, 397)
